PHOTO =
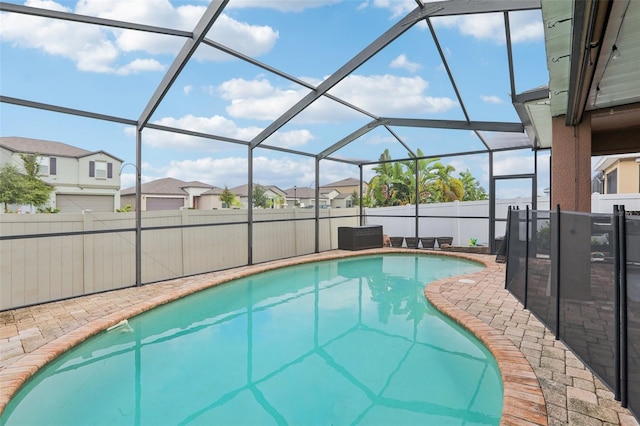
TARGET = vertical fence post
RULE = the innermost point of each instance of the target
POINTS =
(416, 230)
(506, 241)
(526, 258)
(622, 257)
(557, 274)
(616, 300)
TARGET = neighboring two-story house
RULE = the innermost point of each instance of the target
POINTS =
(617, 174)
(173, 194)
(83, 180)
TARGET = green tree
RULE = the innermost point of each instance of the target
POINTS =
(426, 176)
(445, 188)
(355, 198)
(278, 202)
(229, 199)
(259, 196)
(12, 186)
(37, 191)
(472, 189)
(387, 187)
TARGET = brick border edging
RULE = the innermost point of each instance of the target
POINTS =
(523, 400)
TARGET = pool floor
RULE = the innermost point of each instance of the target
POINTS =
(348, 341)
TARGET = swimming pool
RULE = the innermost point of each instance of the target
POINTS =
(345, 341)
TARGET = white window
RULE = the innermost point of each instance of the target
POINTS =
(43, 166)
(101, 169)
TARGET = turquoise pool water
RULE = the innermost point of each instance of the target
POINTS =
(351, 341)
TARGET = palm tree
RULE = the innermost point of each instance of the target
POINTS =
(425, 176)
(386, 186)
(472, 189)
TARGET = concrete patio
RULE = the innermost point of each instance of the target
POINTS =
(544, 383)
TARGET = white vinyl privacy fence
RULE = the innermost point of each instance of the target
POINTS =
(46, 257)
(462, 220)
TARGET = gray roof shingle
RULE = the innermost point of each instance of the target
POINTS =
(38, 146)
(166, 186)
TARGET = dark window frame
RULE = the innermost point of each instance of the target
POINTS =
(612, 182)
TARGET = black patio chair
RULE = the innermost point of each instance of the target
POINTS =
(396, 241)
(428, 242)
(444, 241)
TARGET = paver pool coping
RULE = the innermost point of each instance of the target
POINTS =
(523, 401)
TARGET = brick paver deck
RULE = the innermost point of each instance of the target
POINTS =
(544, 383)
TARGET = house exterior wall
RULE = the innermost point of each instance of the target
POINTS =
(85, 181)
(340, 203)
(194, 193)
(209, 202)
(628, 175)
(128, 199)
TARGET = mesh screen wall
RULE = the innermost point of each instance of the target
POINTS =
(580, 275)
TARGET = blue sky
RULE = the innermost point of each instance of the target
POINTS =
(115, 72)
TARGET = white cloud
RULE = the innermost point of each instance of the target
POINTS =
(140, 65)
(291, 139)
(100, 49)
(149, 173)
(362, 5)
(398, 8)
(511, 165)
(84, 44)
(379, 140)
(127, 180)
(391, 95)
(402, 62)
(241, 88)
(187, 89)
(232, 171)
(215, 125)
(257, 99)
(525, 26)
(492, 99)
(253, 40)
(380, 94)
